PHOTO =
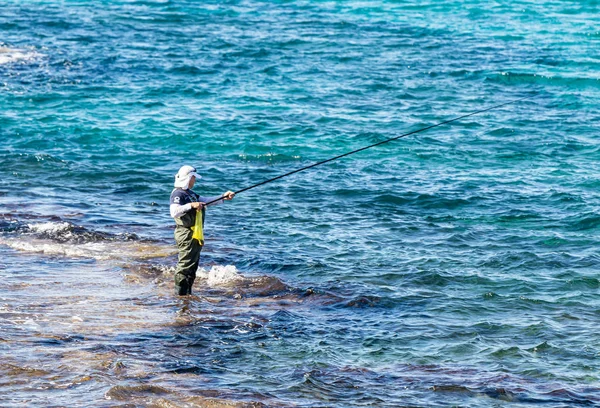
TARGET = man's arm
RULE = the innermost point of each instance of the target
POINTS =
(225, 196)
(177, 210)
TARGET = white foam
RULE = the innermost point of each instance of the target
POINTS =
(50, 227)
(31, 324)
(96, 250)
(87, 250)
(220, 275)
(10, 55)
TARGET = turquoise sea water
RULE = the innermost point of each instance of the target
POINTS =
(457, 267)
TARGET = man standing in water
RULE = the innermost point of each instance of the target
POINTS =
(184, 204)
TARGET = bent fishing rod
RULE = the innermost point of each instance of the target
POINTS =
(373, 145)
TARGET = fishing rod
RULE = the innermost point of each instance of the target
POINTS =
(373, 145)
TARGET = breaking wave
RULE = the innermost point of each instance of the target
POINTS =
(67, 239)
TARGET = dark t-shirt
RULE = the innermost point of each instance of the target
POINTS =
(182, 197)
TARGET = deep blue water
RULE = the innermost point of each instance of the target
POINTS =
(455, 267)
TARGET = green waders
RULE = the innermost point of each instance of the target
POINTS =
(189, 257)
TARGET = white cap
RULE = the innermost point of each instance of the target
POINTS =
(184, 176)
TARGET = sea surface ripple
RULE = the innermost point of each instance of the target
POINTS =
(455, 267)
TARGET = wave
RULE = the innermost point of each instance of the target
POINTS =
(66, 232)
(269, 158)
(12, 55)
(584, 222)
(221, 276)
(227, 278)
(539, 79)
(157, 396)
(228, 284)
(111, 250)
(427, 201)
(63, 238)
(457, 385)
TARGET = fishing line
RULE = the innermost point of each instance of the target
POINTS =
(373, 145)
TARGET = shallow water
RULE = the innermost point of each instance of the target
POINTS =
(456, 267)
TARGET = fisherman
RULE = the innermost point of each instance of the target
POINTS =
(184, 205)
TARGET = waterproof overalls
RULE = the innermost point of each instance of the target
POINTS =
(189, 248)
